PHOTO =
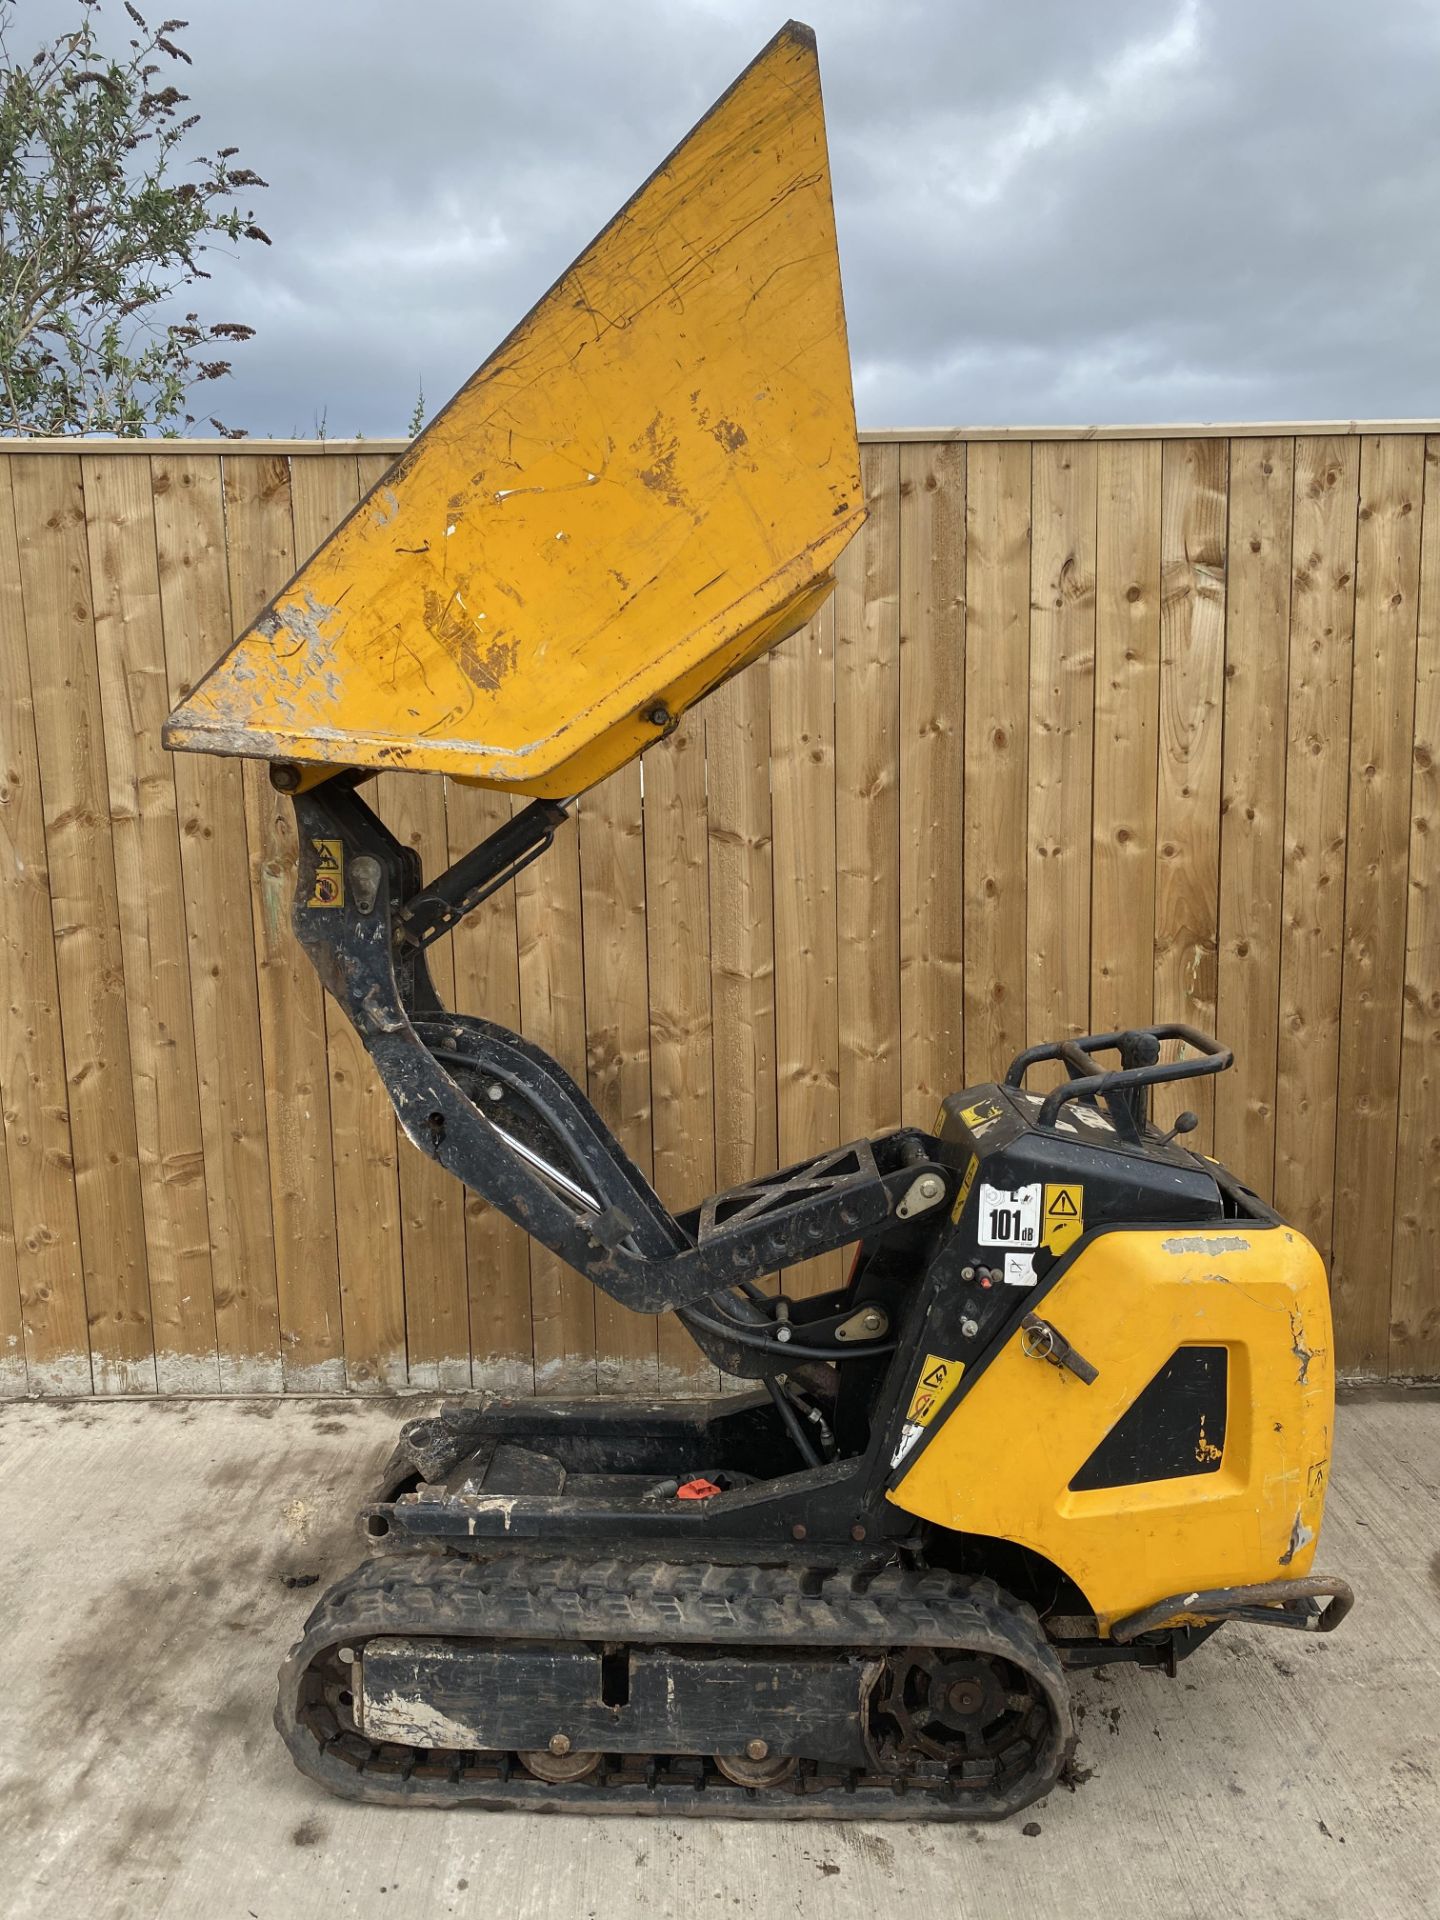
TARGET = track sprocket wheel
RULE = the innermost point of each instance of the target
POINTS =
(974, 1713)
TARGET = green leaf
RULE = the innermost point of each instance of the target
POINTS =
(106, 213)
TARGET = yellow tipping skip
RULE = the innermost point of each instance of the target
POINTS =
(645, 487)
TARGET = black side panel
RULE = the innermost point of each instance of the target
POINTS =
(1176, 1428)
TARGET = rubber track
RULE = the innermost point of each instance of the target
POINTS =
(528, 1597)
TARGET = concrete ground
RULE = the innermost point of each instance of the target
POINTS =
(144, 1613)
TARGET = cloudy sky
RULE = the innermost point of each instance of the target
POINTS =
(1049, 210)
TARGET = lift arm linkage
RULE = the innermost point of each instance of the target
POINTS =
(508, 1121)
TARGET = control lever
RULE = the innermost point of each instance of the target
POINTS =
(1042, 1341)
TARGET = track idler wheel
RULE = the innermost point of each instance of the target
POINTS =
(560, 1768)
(751, 1769)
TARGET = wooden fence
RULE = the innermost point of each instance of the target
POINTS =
(1097, 728)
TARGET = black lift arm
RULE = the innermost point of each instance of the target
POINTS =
(508, 1121)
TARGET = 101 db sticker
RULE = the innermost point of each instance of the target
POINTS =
(1009, 1216)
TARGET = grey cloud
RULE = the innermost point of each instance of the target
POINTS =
(1139, 210)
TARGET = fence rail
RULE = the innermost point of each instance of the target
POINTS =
(1100, 725)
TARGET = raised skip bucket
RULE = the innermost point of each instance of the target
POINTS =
(646, 486)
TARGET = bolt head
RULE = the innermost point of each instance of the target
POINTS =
(969, 1328)
(798, 1531)
(559, 1744)
(757, 1750)
(929, 1187)
(965, 1696)
(857, 1532)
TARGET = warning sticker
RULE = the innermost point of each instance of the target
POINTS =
(328, 889)
(1009, 1216)
(983, 1114)
(965, 1185)
(1020, 1270)
(1064, 1215)
(939, 1378)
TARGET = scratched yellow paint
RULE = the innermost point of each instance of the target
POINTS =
(1002, 1462)
(644, 487)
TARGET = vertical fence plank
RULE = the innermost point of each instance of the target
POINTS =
(682, 1071)
(352, 1324)
(432, 1201)
(931, 668)
(50, 1270)
(487, 982)
(1252, 806)
(1127, 720)
(130, 645)
(617, 1022)
(1064, 481)
(261, 542)
(436, 1297)
(14, 1374)
(867, 805)
(55, 580)
(807, 1014)
(552, 1007)
(1415, 1284)
(1317, 767)
(224, 997)
(997, 679)
(742, 926)
(1194, 479)
(1387, 583)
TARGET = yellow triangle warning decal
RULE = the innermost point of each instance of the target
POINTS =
(939, 1378)
(328, 886)
(1064, 1220)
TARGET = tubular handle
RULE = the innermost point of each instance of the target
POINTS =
(1220, 1603)
(1085, 1083)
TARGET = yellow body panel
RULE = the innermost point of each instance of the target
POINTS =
(1001, 1463)
(645, 487)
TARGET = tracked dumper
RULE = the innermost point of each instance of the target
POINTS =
(1073, 1403)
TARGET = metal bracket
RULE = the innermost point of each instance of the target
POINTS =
(922, 1194)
